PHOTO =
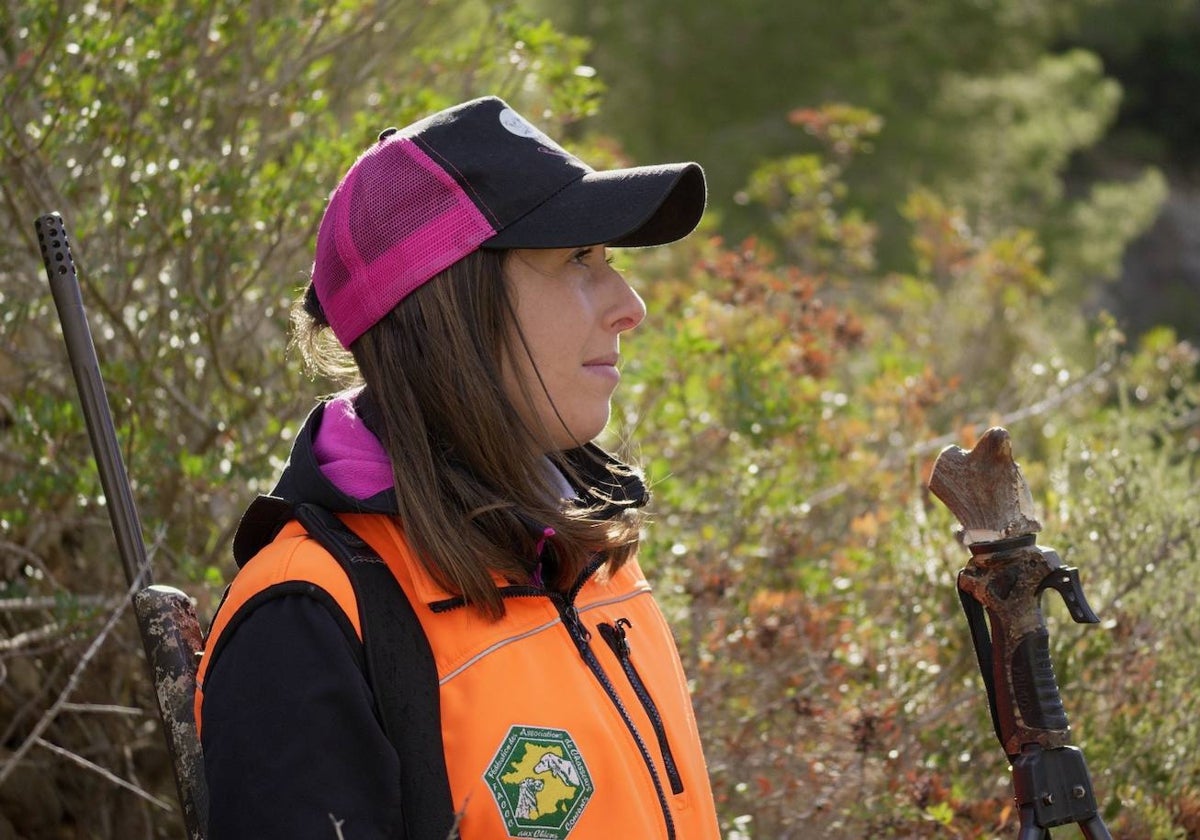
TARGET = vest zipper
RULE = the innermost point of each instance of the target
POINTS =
(614, 634)
(579, 634)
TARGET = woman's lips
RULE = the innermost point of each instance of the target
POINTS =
(605, 366)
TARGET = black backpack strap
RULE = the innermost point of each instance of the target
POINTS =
(401, 672)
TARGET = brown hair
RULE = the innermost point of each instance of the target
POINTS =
(472, 488)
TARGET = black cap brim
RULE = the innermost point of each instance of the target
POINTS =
(629, 208)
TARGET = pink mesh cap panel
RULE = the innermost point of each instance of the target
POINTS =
(395, 221)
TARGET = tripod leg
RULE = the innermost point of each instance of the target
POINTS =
(1030, 830)
(1095, 829)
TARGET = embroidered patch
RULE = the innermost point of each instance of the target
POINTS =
(540, 782)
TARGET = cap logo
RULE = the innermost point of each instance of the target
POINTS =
(518, 125)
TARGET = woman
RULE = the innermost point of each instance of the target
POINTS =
(506, 672)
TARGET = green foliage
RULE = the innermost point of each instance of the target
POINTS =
(803, 195)
(1101, 226)
(1017, 133)
(1018, 129)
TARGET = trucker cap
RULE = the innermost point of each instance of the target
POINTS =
(478, 175)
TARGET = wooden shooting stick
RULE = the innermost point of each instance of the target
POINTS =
(1004, 578)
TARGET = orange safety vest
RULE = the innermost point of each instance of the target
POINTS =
(557, 720)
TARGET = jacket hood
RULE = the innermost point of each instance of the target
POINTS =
(611, 485)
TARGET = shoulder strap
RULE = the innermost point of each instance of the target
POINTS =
(401, 672)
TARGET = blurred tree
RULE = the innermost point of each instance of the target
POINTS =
(1153, 50)
(713, 81)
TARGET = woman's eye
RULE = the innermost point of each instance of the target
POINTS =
(587, 257)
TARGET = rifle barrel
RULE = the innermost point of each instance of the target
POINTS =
(64, 286)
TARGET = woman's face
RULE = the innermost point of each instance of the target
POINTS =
(572, 307)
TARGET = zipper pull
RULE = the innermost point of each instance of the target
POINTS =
(614, 634)
(575, 626)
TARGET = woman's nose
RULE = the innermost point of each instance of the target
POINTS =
(629, 310)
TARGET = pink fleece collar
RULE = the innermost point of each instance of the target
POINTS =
(347, 452)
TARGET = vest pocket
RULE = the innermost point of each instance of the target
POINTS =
(616, 638)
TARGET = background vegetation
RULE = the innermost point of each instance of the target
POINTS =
(928, 217)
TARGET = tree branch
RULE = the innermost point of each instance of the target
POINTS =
(72, 682)
(108, 774)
